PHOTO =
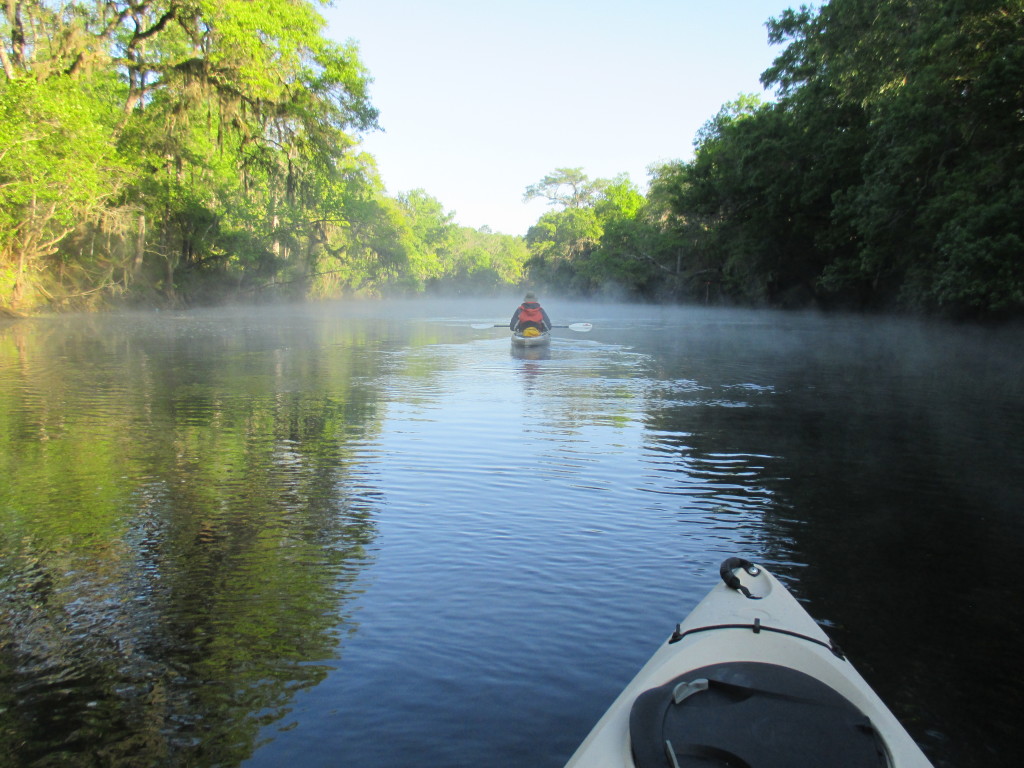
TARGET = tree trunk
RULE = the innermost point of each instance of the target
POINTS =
(169, 278)
(19, 281)
(140, 244)
(8, 66)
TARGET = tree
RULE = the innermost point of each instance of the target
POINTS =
(57, 169)
(642, 251)
(567, 187)
(285, 100)
(230, 122)
(597, 242)
(483, 261)
(941, 159)
(885, 174)
(433, 234)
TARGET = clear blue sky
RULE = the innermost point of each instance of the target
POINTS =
(479, 99)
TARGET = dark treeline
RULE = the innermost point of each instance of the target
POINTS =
(886, 175)
(193, 151)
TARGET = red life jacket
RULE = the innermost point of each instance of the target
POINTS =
(531, 313)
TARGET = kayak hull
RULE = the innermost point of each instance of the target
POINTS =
(721, 631)
(531, 341)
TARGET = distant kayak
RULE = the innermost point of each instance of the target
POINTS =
(539, 340)
(748, 680)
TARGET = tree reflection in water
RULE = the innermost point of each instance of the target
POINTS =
(183, 529)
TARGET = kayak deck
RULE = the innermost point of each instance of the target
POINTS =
(749, 653)
(726, 711)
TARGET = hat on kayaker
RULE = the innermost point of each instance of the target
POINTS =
(530, 296)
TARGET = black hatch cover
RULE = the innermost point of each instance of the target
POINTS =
(750, 715)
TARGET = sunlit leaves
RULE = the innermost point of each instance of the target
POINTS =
(566, 245)
(228, 123)
(57, 168)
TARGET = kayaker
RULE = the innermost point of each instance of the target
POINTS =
(529, 315)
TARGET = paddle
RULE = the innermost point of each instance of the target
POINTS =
(578, 327)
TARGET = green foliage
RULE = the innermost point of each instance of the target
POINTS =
(56, 170)
(567, 187)
(185, 151)
(482, 262)
(943, 163)
(584, 248)
(619, 199)
(887, 174)
(430, 233)
(560, 244)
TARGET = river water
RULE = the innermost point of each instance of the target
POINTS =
(370, 535)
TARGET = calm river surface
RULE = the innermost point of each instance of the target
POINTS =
(369, 535)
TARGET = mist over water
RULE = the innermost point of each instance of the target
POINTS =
(368, 534)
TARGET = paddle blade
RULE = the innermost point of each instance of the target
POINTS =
(581, 327)
(481, 326)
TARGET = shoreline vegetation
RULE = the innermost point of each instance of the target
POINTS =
(174, 154)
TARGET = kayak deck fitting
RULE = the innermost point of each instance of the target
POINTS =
(748, 680)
